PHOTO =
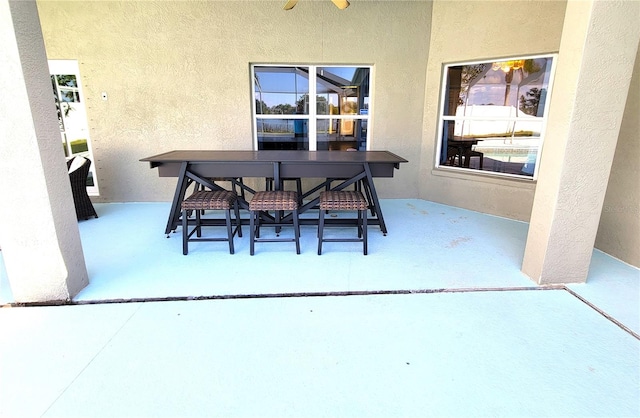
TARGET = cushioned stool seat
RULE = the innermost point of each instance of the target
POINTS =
(344, 200)
(203, 200)
(298, 181)
(277, 201)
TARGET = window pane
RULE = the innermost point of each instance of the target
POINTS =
(67, 80)
(281, 90)
(341, 134)
(514, 151)
(282, 134)
(336, 86)
(523, 87)
(69, 96)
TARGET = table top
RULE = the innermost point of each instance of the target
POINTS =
(276, 156)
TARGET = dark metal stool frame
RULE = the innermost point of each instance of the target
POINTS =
(277, 201)
(203, 200)
(343, 200)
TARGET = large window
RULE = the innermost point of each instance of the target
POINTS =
(493, 115)
(286, 115)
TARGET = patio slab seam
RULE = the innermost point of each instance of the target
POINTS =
(326, 294)
(603, 313)
(277, 295)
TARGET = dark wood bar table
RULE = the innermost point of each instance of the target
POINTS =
(348, 167)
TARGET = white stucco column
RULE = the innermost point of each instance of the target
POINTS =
(38, 228)
(596, 58)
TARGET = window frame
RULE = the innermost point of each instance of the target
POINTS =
(442, 118)
(312, 116)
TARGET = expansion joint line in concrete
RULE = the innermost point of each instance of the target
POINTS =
(326, 294)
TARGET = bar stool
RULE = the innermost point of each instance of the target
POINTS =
(203, 200)
(277, 201)
(344, 200)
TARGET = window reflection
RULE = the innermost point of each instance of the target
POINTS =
(281, 90)
(283, 134)
(338, 134)
(342, 92)
(285, 107)
(493, 115)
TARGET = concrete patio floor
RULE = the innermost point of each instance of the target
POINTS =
(437, 320)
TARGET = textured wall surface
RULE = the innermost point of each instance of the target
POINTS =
(41, 244)
(470, 30)
(177, 75)
(619, 231)
(589, 105)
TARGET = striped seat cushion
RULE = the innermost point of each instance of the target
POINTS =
(342, 200)
(205, 199)
(274, 200)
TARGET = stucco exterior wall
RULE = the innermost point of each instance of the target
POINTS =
(619, 229)
(470, 30)
(177, 75)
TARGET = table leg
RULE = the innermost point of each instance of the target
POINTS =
(178, 197)
(277, 185)
(374, 198)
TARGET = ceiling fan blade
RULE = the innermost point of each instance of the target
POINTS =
(341, 4)
(290, 4)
